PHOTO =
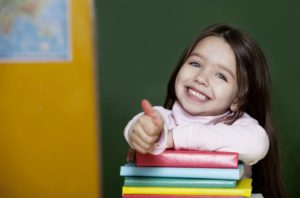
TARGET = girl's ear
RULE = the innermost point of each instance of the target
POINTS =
(234, 106)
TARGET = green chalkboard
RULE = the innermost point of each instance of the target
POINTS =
(139, 43)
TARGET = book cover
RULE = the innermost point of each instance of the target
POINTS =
(185, 158)
(178, 182)
(130, 169)
(178, 196)
(243, 188)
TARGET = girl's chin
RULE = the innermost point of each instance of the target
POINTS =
(195, 110)
(200, 112)
(192, 110)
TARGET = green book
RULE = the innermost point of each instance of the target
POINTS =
(178, 182)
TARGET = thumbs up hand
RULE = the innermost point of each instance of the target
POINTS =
(146, 129)
(149, 111)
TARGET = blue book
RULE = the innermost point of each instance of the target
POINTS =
(130, 169)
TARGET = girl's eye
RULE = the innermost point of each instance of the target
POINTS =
(221, 76)
(194, 64)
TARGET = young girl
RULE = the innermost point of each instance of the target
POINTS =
(218, 100)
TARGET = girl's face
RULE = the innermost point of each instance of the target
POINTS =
(206, 84)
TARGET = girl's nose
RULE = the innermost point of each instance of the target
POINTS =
(201, 78)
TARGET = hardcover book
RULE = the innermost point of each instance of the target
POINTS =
(187, 158)
(243, 188)
(178, 196)
(130, 169)
(178, 182)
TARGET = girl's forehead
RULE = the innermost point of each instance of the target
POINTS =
(212, 43)
(214, 50)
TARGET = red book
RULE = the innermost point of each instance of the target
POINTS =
(177, 196)
(189, 159)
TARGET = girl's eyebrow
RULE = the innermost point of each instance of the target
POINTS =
(219, 65)
(226, 70)
(198, 55)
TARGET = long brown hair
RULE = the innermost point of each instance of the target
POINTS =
(254, 82)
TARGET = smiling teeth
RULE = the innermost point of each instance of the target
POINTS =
(197, 94)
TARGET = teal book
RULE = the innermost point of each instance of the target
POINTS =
(130, 169)
(178, 182)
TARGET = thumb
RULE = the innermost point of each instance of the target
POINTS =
(149, 111)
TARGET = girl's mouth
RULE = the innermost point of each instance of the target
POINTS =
(196, 94)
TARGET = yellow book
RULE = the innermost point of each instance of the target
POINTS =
(243, 188)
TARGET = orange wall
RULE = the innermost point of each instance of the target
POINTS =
(48, 129)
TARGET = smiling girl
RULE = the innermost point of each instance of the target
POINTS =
(218, 99)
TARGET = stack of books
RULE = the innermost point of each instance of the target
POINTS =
(185, 174)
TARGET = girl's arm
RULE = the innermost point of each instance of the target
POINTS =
(245, 137)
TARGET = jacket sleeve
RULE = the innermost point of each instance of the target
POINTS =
(161, 143)
(245, 137)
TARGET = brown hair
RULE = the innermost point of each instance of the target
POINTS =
(253, 96)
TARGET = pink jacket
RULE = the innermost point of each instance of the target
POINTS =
(245, 136)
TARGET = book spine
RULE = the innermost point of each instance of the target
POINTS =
(178, 182)
(207, 173)
(243, 188)
(186, 191)
(178, 196)
(182, 158)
